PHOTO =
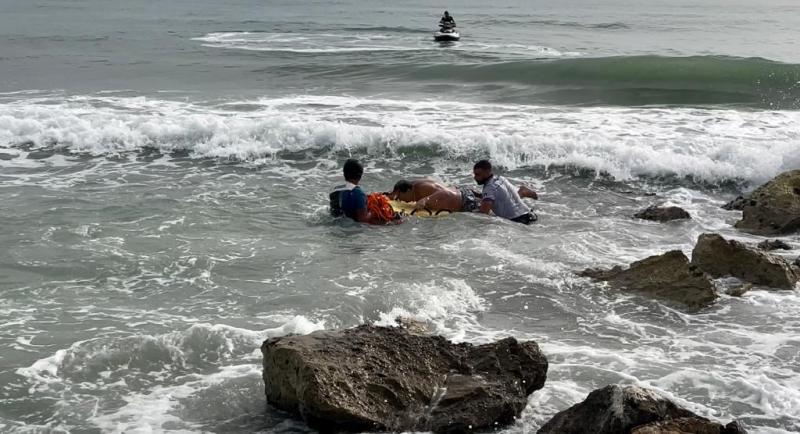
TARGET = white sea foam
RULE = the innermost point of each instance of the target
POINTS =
(308, 43)
(450, 306)
(200, 343)
(322, 42)
(153, 411)
(154, 375)
(705, 144)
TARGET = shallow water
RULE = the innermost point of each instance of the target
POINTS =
(164, 171)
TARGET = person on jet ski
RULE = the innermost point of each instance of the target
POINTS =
(447, 22)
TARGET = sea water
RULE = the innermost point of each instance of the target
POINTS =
(164, 170)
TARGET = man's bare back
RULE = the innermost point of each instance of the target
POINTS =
(435, 196)
(428, 194)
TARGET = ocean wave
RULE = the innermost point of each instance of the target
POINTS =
(705, 144)
(490, 20)
(198, 347)
(677, 80)
(448, 306)
(310, 43)
(355, 40)
(386, 29)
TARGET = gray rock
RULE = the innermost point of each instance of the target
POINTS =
(740, 290)
(387, 379)
(768, 245)
(720, 257)
(663, 214)
(737, 204)
(614, 409)
(734, 427)
(689, 425)
(668, 276)
(773, 208)
(684, 425)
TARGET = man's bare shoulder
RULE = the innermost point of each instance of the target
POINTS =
(430, 183)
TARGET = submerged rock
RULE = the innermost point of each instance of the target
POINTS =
(737, 204)
(668, 276)
(773, 208)
(663, 214)
(773, 245)
(740, 290)
(386, 379)
(619, 409)
(720, 258)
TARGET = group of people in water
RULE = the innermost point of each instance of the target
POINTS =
(498, 197)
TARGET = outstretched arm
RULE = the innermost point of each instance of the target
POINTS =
(525, 191)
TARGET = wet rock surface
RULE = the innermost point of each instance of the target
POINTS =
(663, 214)
(614, 409)
(773, 208)
(669, 276)
(720, 258)
(768, 245)
(387, 379)
(737, 204)
(618, 409)
(689, 425)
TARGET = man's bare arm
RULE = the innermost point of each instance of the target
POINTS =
(486, 206)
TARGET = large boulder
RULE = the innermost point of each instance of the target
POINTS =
(720, 257)
(387, 379)
(617, 409)
(773, 208)
(663, 214)
(668, 276)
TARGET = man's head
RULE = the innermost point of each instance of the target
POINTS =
(353, 170)
(403, 190)
(482, 171)
(446, 14)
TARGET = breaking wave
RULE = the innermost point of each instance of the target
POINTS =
(705, 144)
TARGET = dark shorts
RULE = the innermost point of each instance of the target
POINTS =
(469, 202)
(526, 219)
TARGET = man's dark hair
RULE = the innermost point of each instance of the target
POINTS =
(353, 170)
(403, 186)
(483, 164)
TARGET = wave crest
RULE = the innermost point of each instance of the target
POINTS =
(711, 145)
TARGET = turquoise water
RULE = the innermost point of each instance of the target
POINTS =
(164, 171)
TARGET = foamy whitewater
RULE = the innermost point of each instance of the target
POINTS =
(164, 171)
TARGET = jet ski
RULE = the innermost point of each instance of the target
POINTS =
(446, 34)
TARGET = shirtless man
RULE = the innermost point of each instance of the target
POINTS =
(435, 196)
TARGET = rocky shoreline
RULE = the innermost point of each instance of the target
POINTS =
(394, 379)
